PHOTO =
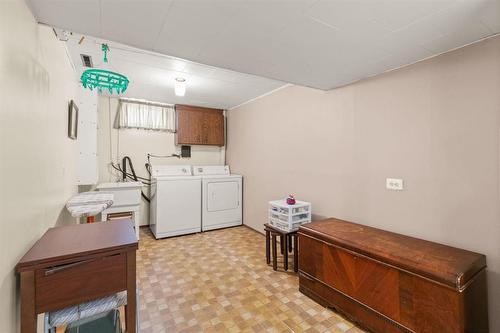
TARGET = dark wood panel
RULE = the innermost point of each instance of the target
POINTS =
(372, 284)
(311, 257)
(377, 286)
(199, 126)
(213, 128)
(437, 308)
(130, 313)
(407, 311)
(341, 270)
(476, 305)
(28, 313)
(189, 125)
(355, 311)
(68, 284)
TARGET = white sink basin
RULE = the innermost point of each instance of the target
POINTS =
(125, 193)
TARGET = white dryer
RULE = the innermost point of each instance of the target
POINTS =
(221, 197)
(175, 207)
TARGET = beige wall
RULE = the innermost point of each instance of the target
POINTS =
(137, 143)
(37, 159)
(435, 124)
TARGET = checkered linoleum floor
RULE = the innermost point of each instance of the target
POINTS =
(218, 281)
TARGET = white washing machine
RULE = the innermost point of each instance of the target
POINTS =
(221, 197)
(175, 207)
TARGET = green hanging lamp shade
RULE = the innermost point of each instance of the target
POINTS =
(102, 79)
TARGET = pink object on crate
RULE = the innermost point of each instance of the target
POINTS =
(290, 200)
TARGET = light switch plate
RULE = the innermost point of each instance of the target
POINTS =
(394, 184)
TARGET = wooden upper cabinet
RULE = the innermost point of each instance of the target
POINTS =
(199, 126)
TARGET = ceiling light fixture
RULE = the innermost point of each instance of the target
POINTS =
(180, 86)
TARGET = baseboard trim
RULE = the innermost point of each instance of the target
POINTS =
(254, 230)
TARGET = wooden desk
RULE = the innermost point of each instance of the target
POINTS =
(77, 263)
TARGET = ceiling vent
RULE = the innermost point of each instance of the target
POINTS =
(62, 35)
(86, 60)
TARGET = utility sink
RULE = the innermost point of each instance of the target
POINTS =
(125, 193)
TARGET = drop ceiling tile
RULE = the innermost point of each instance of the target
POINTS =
(264, 86)
(397, 59)
(407, 56)
(463, 15)
(234, 77)
(166, 78)
(132, 22)
(459, 25)
(403, 46)
(198, 69)
(254, 24)
(455, 26)
(135, 72)
(491, 15)
(77, 15)
(473, 32)
(396, 14)
(311, 38)
(261, 17)
(230, 54)
(409, 37)
(146, 58)
(354, 18)
(188, 26)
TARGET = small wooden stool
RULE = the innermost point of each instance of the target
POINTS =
(286, 245)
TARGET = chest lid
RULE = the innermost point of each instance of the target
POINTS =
(441, 263)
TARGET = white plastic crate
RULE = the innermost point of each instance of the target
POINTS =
(289, 217)
(285, 226)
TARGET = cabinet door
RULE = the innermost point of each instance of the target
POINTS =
(213, 128)
(189, 126)
(199, 126)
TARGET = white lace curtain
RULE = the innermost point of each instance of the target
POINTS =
(146, 116)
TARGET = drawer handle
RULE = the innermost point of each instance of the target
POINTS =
(63, 267)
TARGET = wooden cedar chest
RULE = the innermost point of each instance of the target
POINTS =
(388, 282)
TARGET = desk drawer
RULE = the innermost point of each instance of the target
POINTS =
(73, 283)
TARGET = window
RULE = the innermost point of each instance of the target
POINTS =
(146, 116)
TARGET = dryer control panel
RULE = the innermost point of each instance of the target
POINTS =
(170, 170)
(206, 170)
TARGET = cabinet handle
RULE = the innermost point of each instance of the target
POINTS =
(64, 267)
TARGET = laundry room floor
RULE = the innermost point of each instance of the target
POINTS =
(218, 281)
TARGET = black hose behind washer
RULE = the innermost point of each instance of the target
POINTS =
(124, 173)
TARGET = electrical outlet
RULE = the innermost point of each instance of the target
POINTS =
(394, 184)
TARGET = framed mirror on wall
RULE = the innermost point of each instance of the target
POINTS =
(72, 120)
